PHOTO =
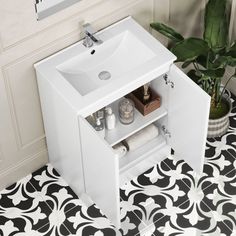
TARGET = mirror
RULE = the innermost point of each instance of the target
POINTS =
(46, 8)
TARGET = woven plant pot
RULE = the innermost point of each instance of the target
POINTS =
(218, 127)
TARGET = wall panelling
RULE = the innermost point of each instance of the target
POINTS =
(24, 41)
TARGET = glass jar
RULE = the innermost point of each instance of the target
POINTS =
(126, 111)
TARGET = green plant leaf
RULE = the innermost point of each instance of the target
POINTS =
(189, 49)
(205, 78)
(218, 73)
(186, 64)
(215, 61)
(216, 26)
(232, 51)
(202, 60)
(223, 61)
(231, 61)
(167, 31)
(192, 74)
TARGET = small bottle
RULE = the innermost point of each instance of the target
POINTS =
(126, 111)
(99, 127)
(110, 119)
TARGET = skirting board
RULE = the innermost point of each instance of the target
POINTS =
(23, 168)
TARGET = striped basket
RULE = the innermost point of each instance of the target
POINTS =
(218, 127)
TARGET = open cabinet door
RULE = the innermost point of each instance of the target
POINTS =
(101, 172)
(188, 114)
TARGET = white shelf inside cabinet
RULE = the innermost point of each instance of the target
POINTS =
(122, 131)
(154, 157)
(136, 156)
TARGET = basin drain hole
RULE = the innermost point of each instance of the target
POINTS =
(104, 75)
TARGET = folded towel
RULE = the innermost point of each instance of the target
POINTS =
(141, 137)
(120, 150)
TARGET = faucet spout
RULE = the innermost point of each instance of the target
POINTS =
(90, 38)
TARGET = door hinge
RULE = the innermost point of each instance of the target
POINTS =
(166, 131)
(168, 81)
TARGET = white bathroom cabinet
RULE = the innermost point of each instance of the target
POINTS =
(182, 121)
(86, 160)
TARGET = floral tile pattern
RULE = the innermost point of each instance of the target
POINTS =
(131, 219)
(167, 200)
(42, 204)
(54, 190)
(221, 199)
(154, 194)
(83, 220)
(22, 209)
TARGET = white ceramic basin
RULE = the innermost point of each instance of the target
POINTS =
(105, 63)
(128, 57)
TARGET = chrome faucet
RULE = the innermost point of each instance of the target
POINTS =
(89, 36)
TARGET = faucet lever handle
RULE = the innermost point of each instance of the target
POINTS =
(88, 29)
(89, 32)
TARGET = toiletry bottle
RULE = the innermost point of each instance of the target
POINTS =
(126, 111)
(110, 119)
(99, 127)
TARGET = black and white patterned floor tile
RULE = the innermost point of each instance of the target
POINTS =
(42, 204)
(196, 210)
(22, 209)
(168, 199)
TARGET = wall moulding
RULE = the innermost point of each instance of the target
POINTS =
(23, 168)
(24, 107)
(20, 72)
(25, 159)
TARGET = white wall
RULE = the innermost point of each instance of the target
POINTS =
(24, 41)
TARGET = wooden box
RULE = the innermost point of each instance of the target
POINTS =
(144, 109)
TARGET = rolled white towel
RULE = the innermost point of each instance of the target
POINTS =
(142, 137)
(120, 150)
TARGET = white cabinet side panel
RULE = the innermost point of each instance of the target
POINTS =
(188, 119)
(62, 135)
(101, 170)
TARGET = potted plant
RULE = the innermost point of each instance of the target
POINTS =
(209, 57)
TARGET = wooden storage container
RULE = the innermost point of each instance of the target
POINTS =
(147, 108)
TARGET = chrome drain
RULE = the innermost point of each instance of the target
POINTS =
(104, 75)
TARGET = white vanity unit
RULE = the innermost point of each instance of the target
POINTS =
(70, 90)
